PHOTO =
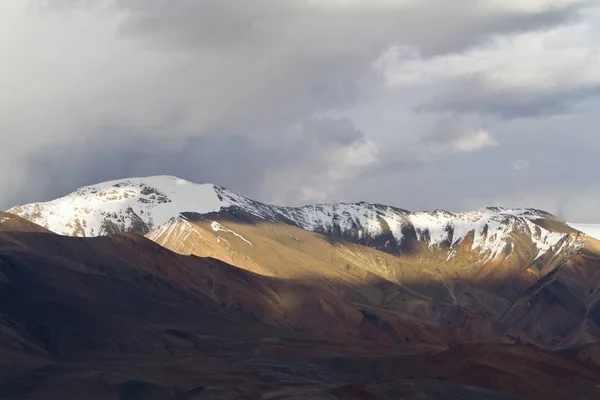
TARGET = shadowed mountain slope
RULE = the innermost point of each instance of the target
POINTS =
(521, 272)
(120, 317)
(518, 295)
(228, 296)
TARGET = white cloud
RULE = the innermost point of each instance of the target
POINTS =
(453, 134)
(342, 167)
(472, 141)
(338, 152)
(519, 165)
(544, 60)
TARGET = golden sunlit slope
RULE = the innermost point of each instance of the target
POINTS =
(513, 293)
(121, 317)
(491, 271)
(146, 285)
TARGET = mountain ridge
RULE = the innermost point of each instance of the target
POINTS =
(119, 316)
(140, 205)
(500, 289)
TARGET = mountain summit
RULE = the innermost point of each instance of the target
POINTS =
(140, 205)
(128, 205)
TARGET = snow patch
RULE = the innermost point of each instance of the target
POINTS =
(153, 200)
(157, 203)
(220, 228)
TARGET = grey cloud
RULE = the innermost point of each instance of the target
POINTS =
(276, 100)
(561, 177)
(561, 183)
(236, 161)
(519, 165)
(469, 29)
(217, 25)
(476, 96)
(332, 131)
(448, 131)
(449, 135)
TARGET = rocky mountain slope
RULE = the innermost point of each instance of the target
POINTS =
(139, 205)
(489, 275)
(120, 317)
(515, 295)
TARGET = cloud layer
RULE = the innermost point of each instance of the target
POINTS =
(306, 100)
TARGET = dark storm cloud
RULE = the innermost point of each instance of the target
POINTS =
(230, 160)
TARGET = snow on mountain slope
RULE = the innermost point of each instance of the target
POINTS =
(365, 223)
(592, 230)
(140, 205)
(136, 204)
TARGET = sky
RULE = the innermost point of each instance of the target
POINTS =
(420, 104)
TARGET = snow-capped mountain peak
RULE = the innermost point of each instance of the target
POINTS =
(140, 205)
(134, 204)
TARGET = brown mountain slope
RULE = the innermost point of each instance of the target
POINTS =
(363, 275)
(497, 270)
(12, 222)
(76, 267)
(19, 351)
(519, 293)
(120, 317)
(46, 278)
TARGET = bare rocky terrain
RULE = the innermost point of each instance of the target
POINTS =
(232, 298)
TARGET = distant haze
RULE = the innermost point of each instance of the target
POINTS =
(426, 104)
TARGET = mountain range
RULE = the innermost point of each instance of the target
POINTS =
(159, 287)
